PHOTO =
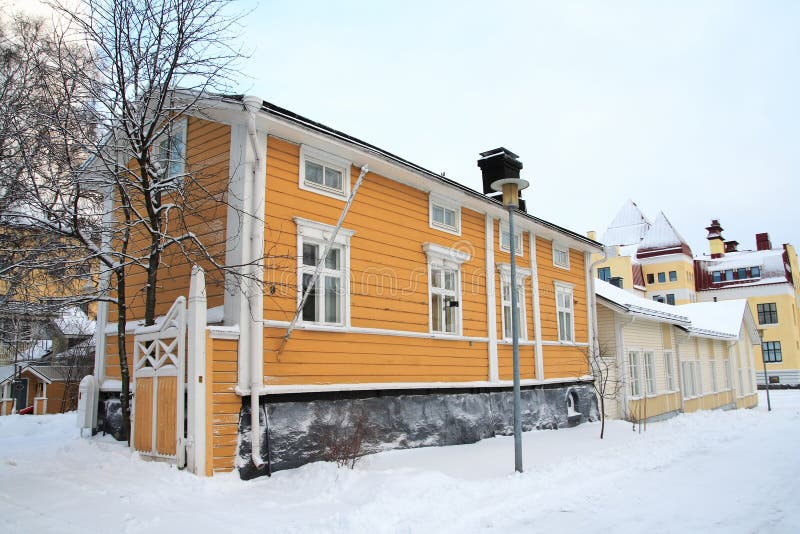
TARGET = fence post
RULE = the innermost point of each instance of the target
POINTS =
(196, 383)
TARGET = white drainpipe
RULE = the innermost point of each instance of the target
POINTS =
(254, 265)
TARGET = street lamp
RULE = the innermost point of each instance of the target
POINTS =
(500, 169)
(764, 362)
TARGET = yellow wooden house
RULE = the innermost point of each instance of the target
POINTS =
(407, 326)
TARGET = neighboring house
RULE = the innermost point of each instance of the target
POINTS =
(669, 359)
(410, 321)
(45, 374)
(654, 261)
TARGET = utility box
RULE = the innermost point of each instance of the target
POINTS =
(87, 405)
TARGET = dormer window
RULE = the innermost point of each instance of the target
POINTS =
(755, 272)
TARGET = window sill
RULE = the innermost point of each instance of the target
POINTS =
(321, 190)
(446, 229)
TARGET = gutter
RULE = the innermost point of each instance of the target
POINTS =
(254, 266)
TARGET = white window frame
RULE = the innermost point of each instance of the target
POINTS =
(444, 203)
(505, 281)
(518, 244)
(563, 287)
(175, 167)
(651, 386)
(692, 384)
(331, 161)
(443, 258)
(635, 373)
(320, 234)
(669, 370)
(558, 249)
(726, 368)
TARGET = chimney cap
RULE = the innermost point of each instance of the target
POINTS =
(498, 150)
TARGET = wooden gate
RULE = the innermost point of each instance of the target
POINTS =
(159, 382)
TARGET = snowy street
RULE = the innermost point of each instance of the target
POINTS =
(735, 471)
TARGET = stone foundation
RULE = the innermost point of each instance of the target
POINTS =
(301, 426)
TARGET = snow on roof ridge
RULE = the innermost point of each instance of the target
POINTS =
(662, 234)
(720, 319)
(628, 226)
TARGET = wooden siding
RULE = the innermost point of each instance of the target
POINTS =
(204, 198)
(388, 284)
(143, 415)
(640, 409)
(225, 405)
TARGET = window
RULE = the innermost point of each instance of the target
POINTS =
(669, 371)
(505, 239)
(662, 278)
(505, 297)
(324, 173)
(714, 386)
(171, 155)
(767, 313)
(328, 299)
(716, 276)
(445, 215)
(635, 373)
(673, 276)
(772, 351)
(658, 298)
(566, 330)
(670, 298)
(729, 274)
(755, 272)
(726, 369)
(650, 372)
(690, 379)
(560, 256)
(651, 279)
(444, 287)
(741, 273)
(39, 389)
(604, 274)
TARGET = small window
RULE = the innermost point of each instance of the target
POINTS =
(716, 276)
(560, 256)
(566, 330)
(324, 173)
(651, 279)
(767, 313)
(741, 273)
(728, 274)
(505, 240)
(673, 276)
(662, 278)
(445, 215)
(604, 274)
(671, 298)
(171, 155)
(755, 272)
(658, 298)
(772, 351)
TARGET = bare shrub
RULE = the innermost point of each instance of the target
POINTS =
(343, 434)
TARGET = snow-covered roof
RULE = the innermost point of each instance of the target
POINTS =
(74, 322)
(717, 319)
(6, 372)
(628, 227)
(773, 270)
(721, 319)
(641, 306)
(661, 235)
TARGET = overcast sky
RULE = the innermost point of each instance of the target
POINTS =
(690, 107)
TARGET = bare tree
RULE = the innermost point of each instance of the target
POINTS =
(607, 380)
(120, 76)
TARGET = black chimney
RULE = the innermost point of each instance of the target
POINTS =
(498, 164)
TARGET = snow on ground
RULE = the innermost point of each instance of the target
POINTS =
(705, 472)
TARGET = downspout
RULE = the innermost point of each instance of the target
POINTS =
(679, 372)
(622, 364)
(593, 298)
(255, 268)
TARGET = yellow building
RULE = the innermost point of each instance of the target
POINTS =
(670, 359)
(768, 278)
(654, 261)
(408, 322)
